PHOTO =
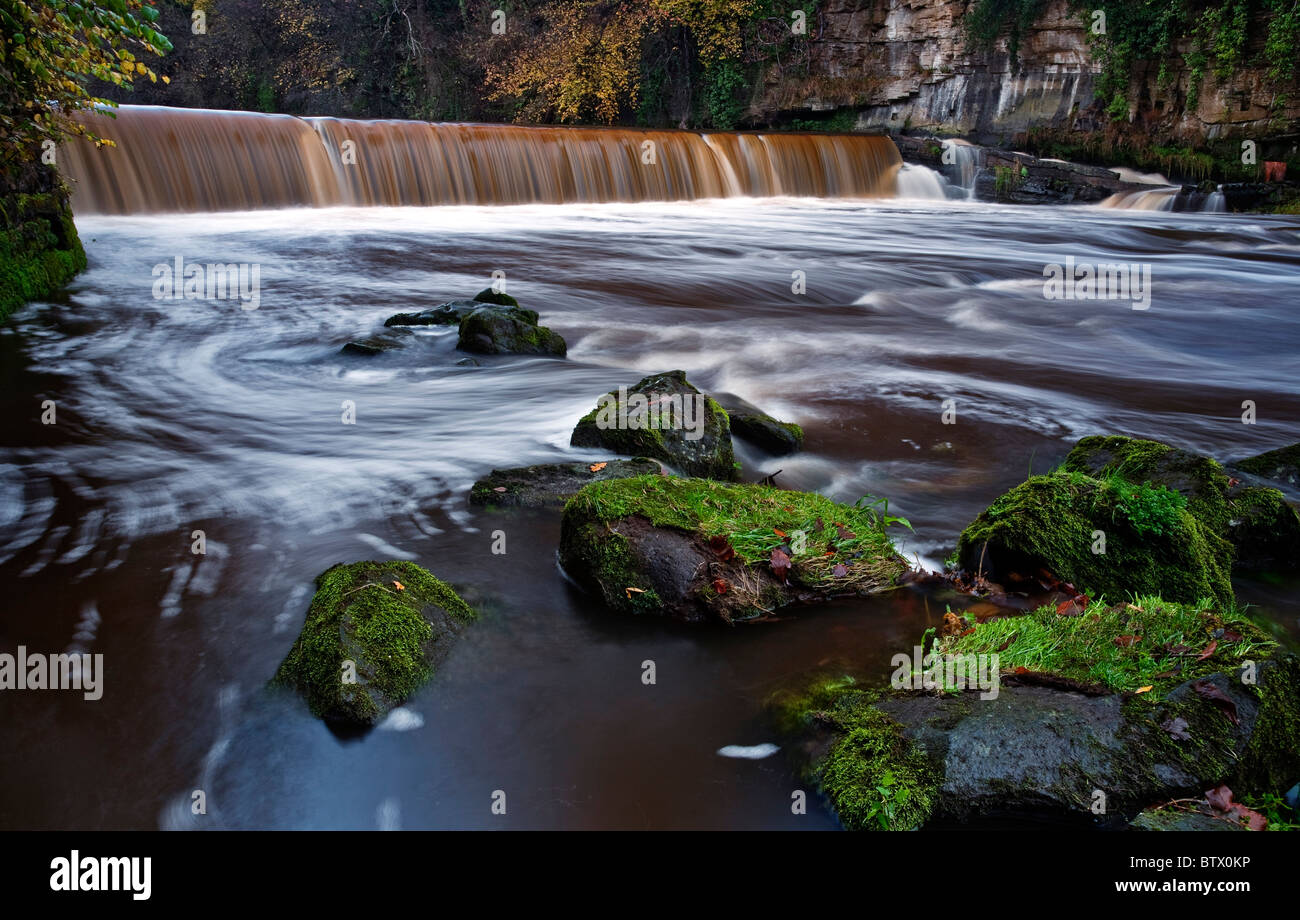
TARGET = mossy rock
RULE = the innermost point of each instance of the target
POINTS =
(1040, 747)
(698, 550)
(393, 636)
(551, 484)
(660, 417)
(1256, 520)
(1282, 464)
(758, 428)
(500, 298)
(376, 344)
(1153, 543)
(495, 330)
(39, 247)
(447, 314)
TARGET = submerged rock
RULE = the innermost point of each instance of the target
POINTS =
(664, 417)
(493, 330)
(760, 429)
(1282, 464)
(551, 484)
(447, 314)
(375, 345)
(695, 549)
(373, 635)
(1048, 740)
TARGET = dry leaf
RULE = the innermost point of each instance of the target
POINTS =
(398, 586)
(1144, 689)
(597, 467)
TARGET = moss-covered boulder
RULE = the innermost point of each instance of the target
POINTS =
(500, 298)
(447, 314)
(664, 417)
(1123, 700)
(551, 484)
(758, 428)
(1152, 543)
(1282, 465)
(697, 550)
(498, 330)
(1257, 520)
(374, 633)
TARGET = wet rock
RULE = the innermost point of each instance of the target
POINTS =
(758, 428)
(666, 418)
(494, 330)
(467, 362)
(375, 345)
(447, 314)
(551, 484)
(697, 550)
(1171, 819)
(1042, 746)
(1282, 464)
(385, 625)
(500, 298)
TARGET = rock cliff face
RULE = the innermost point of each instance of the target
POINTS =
(904, 64)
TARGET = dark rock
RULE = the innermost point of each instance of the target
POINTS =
(551, 484)
(375, 345)
(1170, 819)
(493, 330)
(467, 362)
(1282, 464)
(758, 428)
(447, 314)
(666, 418)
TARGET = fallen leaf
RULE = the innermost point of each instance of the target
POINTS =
(1127, 641)
(1206, 689)
(1068, 609)
(499, 489)
(1230, 635)
(597, 467)
(1144, 689)
(779, 533)
(840, 570)
(720, 585)
(1220, 797)
(398, 586)
(1134, 607)
(1006, 645)
(721, 547)
(780, 563)
(631, 591)
(1208, 651)
(1177, 728)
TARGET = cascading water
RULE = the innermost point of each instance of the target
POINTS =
(1169, 198)
(920, 182)
(201, 160)
(962, 164)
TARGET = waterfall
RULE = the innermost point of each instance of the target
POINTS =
(962, 161)
(168, 159)
(920, 182)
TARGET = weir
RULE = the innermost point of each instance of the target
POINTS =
(169, 159)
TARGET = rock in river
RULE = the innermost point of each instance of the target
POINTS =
(551, 484)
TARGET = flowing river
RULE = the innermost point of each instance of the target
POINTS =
(178, 415)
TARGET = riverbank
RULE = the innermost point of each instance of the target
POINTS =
(39, 247)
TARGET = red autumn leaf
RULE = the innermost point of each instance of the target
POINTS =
(778, 532)
(1207, 690)
(1230, 635)
(597, 467)
(1208, 651)
(1220, 798)
(965, 632)
(720, 585)
(1068, 609)
(844, 532)
(1127, 641)
(1254, 820)
(721, 547)
(780, 563)
(1022, 670)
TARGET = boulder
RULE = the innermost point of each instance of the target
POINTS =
(1282, 465)
(392, 621)
(376, 344)
(551, 484)
(758, 428)
(665, 418)
(447, 314)
(1067, 720)
(493, 330)
(699, 550)
(500, 298)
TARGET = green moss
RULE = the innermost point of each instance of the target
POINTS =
(487, 295)
(39, 248)
(1272, 760)
(1084, 647)
(1050, 521)
(1283, 463)
(391, 634)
